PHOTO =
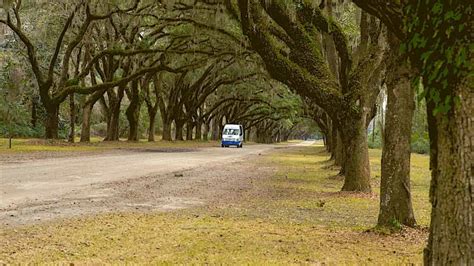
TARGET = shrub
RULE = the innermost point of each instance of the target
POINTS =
(421, 146)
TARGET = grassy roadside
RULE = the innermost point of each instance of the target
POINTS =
(296, 215)
(96, 144)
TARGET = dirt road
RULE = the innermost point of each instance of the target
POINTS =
(143, 179)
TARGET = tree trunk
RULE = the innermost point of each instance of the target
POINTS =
(72, 119)
(179, 130)
(328, 141)
(151, 128)
(166, 130)
(113, 118)
(214, 129)
(374, 123)
(133, 117)
(198, 135)
(334, 145)
(86, 114)
(114, 124)
(206, 132)
(133, 111)
(356, 163)
(395, 197)
(86, 122)
(340, 153)
(220, 129)
(189, 130)
(52, 121)
(452, 183)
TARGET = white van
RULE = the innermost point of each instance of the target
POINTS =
(232, 135)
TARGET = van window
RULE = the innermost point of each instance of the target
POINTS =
(231, 131)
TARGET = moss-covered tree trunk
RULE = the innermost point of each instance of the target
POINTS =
(451, 193)
(273, 25)
(438, 35)
(395, 196)
(339, 151)
(356, 162)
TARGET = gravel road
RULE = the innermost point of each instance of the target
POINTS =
(45, 189)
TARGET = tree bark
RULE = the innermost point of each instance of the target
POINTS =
(198, 135)
(334, 145)
(215, 129)
(328, 142)
(356, 161)
(166, 130)
(133, 127)
(52, 120)
(395, 196)
(133, 111)
(189, 130)
(114, 126)
(451, 192)
(205, 134)
(151, 127)
(113, 121)
(340, 153)
(86, 115)
(329, 47)
(72, 118)
(86, 122)
(179, 130)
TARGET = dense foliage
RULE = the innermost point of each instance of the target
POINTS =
(440, 50)
(118, 62)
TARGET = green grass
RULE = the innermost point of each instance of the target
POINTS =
(296, 216)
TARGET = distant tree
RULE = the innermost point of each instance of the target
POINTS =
(52, 69)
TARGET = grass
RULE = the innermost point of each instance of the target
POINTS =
(96, 144)
(296, 216)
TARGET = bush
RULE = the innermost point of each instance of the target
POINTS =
(421, 146)
(24, 131)
(375, 143)
(99, 129)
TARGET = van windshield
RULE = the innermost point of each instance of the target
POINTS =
(231, 131)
